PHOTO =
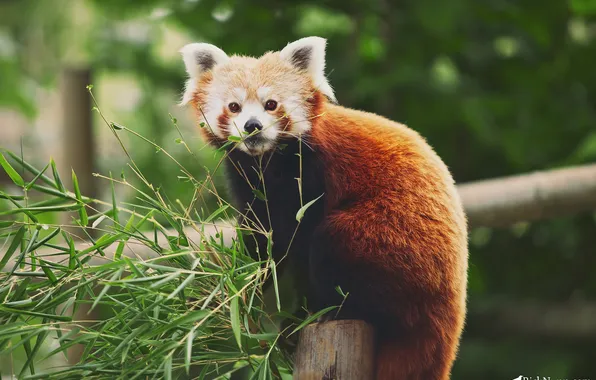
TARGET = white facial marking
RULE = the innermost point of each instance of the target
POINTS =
(295, 109)
(240, 94)
(264, 93)
(213, 107)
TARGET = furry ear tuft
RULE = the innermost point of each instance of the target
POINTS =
(199, 58)
(308, 54)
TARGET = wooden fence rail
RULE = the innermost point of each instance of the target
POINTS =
(527, 197)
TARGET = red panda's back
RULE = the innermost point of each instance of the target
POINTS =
(373, 153)
(392, 203)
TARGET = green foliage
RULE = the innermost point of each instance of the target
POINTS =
(190, 307)
(583, 7)
(16, 178)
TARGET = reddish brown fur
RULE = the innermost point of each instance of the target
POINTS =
(285, 121)
(197, 103)
(223, 121)
(316, 102)
(389, 195)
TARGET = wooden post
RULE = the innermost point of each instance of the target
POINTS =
(336, 350)
(77, 132)
(77, 154)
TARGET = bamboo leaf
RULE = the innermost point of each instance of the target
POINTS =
(188, 356)
(190, 317)
(168, 368)
(6, 223)
(82, 212)
(165, 280)
(18, 210)
(128, 339)
(103, 242)
(40, 210)
(120, 249)
(38, 343)
(181, 286)
(35, 314)
(216, 213)
(46, 239)
(275, 285)
(235, 319)
(27, 346)
(64, 346)
(27, 250)
(15, 329)
(49, 274)
(57, 179)
(14, 176)
(300, 213)
(313, 317)
(16, 241)
(30, 184)
(24, 341)
(105, 289)
(115, 213)
(31, 169)
(3, 195)
(259, 194)
(72, 255)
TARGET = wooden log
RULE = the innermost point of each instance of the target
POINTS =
(341, 350)
(527, 197)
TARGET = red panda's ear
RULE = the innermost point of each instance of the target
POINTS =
(309, 54)
(199, 58)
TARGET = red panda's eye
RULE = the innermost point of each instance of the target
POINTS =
(271, 105)
(234, 107)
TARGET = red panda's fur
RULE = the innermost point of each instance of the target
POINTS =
(403, 215)
(391, 229)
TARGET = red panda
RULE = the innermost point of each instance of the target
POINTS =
(389, 229)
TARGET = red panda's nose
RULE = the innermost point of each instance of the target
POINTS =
(253, 125)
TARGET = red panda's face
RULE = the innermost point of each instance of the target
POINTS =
(259, 101)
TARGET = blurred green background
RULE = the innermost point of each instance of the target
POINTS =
(498, 87)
